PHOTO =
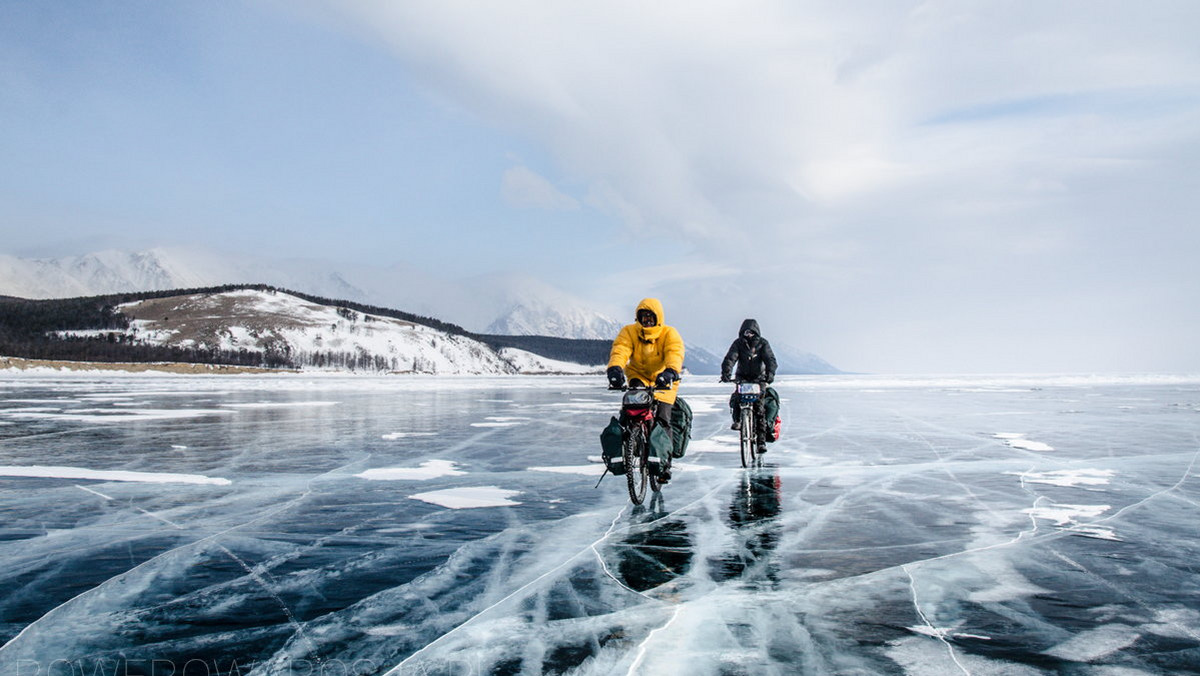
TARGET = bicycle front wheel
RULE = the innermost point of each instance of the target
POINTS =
(633, 452)
(748, 437)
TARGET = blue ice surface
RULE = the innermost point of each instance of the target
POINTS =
(900, 526)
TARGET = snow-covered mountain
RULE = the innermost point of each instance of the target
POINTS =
(794, 361)
(316, 336)
(791, 361)
(534, 308)
(505, 304)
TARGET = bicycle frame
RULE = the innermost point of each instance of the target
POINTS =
(638, 409)
(752, 432)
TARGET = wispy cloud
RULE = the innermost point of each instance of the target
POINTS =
(522, 187)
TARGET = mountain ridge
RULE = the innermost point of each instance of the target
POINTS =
(260, 325)
(528, 306)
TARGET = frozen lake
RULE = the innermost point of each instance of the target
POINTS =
(329, 525)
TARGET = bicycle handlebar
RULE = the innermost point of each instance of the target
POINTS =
(649, 388)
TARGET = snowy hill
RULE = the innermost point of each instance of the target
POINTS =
(311, 335)
(507, 304)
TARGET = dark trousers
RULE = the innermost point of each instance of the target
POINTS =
(663, 415)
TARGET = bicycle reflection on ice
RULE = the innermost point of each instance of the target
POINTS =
(754, 517)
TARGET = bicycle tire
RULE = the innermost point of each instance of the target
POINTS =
(634, 453)
(747, 437)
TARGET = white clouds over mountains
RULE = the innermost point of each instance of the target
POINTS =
(899, 186)
(879, 164)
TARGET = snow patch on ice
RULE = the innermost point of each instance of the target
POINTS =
(713, 445)
(1096, 643)
(431, 469)
(701, 405)
(392, 436)
(587, 470)
(130, 415)
(1068, 477)
(1063, 515)
(1017, 440)
(55, 472)
(1097, 533)
(944, 632)
(469, 497)
(282, 404)
(390, 630)
(919, 655)
(1174, 622)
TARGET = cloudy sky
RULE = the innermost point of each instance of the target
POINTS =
(939, 186)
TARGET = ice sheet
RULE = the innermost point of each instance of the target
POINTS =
(893, 530)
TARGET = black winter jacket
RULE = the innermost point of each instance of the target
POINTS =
(754, 358)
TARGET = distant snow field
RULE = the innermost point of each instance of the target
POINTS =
(50, 472)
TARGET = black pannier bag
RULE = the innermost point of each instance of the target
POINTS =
(610, 445)
(681, 427)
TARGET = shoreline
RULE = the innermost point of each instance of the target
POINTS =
(186, 368)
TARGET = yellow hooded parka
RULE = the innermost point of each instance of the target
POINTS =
(646, 352)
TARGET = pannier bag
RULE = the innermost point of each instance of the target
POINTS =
(681, 425)
(610, 447)
(771, 413)
(661, 445)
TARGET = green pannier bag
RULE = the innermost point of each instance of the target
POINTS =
(771, 412)
(681, 424)
(610, 447)
(661, 444)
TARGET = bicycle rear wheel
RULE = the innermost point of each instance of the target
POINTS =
(634, 453)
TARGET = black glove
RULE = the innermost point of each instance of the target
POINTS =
(616, 377)
(770, 378)
(725, 378)
(664, 379)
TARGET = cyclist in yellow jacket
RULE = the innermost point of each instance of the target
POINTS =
(649, 351)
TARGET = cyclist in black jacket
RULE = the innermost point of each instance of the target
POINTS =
(754, 358)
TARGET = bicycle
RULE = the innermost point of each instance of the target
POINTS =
(638, 407)
(752, 427)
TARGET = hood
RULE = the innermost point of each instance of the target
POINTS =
(749, 325)
(653, 305)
